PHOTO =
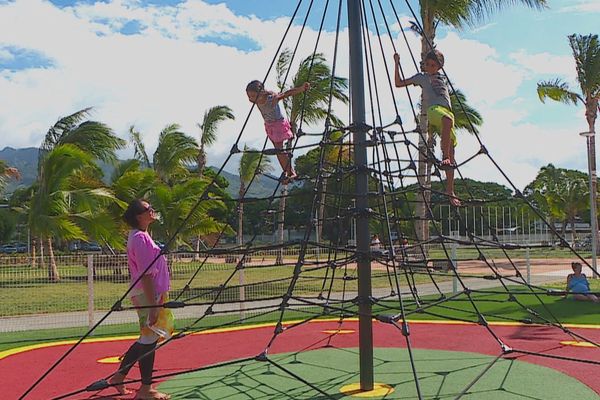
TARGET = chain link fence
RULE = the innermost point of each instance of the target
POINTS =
(89, 285)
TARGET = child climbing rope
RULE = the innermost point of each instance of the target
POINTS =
(436, 100)
(277, 127)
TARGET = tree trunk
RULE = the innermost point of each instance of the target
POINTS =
(322, 210)
(591, 113)
(201, 160)
(240, 240)
(53, 274)
(42, 263)
(423, 169)
(33, 253)
(240, 233)
(201, 165)
(280, 224)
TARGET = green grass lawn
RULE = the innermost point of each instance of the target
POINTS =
(24, 290)
(495, 307)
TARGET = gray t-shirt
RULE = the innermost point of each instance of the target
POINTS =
(435, 89)
(271, 111)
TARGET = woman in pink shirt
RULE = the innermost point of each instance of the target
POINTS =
(150, 279)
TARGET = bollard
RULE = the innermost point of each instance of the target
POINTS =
(90, 284)
(455, 267)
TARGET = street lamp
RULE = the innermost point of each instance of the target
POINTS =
(591, 156)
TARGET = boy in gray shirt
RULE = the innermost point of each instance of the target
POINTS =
(436, 100)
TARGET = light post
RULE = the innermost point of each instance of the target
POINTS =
(591, 156)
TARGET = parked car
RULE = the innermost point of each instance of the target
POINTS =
(13, 248)
(84, 246)
(8, 249)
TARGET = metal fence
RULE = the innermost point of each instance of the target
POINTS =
(91, 284)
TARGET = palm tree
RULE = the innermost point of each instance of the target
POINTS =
(173, 157)
(93, 138)
(252, 163)
(170, 185)
(562, 193)
(208, 131)
(177, 202)
(311, 107)
(139, 149)
(175, 153)
(586, 51)
(208, 136)
(458, 14)
(334, 154)
(465, 116)
(52, 208)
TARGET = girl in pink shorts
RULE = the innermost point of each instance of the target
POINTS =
(277, 127)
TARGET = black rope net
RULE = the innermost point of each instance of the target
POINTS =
(317, 278)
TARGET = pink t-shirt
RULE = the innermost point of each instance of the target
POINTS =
(141, 251)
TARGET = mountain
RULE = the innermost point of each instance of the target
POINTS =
(26, 161)
(263, 186)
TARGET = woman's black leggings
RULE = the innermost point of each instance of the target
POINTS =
(144, 354)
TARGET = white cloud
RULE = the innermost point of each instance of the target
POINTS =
(546, 63)
(165, 75)
(476, 68)
(583, 6)
(6, 55)
(483, 27)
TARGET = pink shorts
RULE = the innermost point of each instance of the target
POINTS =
(279, 131)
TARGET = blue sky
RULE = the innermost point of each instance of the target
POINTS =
(151, 63)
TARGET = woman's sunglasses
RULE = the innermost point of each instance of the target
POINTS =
(146, 209)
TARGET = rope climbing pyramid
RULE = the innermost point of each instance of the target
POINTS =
(374, 172)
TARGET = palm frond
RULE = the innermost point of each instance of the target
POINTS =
(139, 150)
(123, 167)
(462, 13)
(210, 121)
(252, 163)
(314, 105)
(134, 184)
(95, 138)
(63, 125)
(557, 90)
(586, 51)
(465, 116)
(174, 153)
(282, 67)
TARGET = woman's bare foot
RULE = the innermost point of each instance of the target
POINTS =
(149, 393)
(117, 382)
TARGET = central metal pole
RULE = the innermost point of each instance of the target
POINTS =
(357, 97)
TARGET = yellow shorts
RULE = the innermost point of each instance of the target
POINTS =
(434, 116)
(165, 325)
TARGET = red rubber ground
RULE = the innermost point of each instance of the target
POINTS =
(81, 368)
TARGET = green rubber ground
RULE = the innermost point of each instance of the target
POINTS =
(442, 375)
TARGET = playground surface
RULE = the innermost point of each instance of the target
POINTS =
(448, 356)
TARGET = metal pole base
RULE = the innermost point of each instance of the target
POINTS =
(354, 390)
